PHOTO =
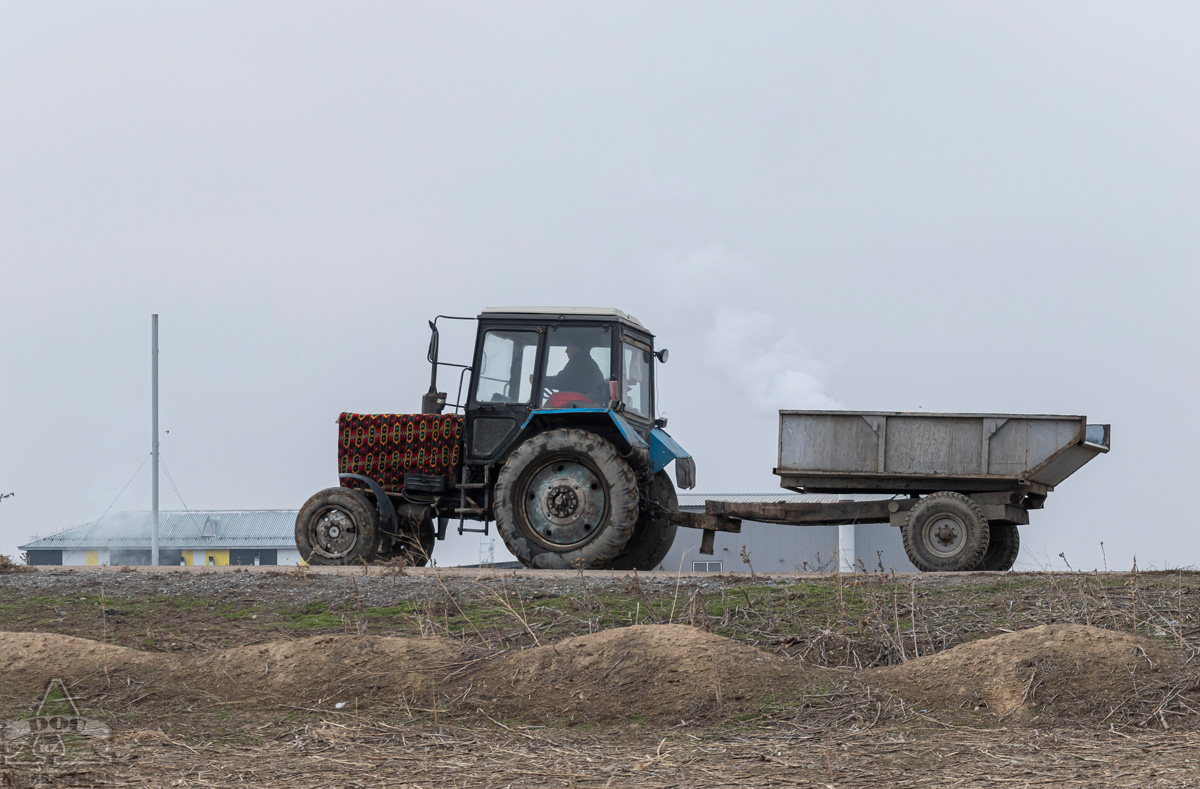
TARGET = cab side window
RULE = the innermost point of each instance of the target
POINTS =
(505, 367)
(636, 363)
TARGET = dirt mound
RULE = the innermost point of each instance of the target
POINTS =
(1052, 671)
(645, 671)
(308, 669)
(650, 671)
(39, 657)
(660, 673)
(316, 668)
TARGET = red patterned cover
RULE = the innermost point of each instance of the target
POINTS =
(384, 446)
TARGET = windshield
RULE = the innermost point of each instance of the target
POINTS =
(578, 365)
(636, 395)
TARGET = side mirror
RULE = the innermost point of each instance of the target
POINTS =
(432, 355)
(662, 355)
(433, 401)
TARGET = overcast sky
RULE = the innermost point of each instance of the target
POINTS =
(925, 206)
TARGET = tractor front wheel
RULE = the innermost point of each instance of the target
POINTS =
(414, 546)
(337, 526)
(566, 500)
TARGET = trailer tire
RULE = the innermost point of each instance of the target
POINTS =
(946, 532)
(654, 533)
(337, 526)
(1003, 546)
(566, 500)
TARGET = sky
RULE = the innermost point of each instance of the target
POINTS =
(970, 207)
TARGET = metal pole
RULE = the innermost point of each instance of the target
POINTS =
(846, 550)
(154, 442)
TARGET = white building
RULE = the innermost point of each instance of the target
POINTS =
(215, 537)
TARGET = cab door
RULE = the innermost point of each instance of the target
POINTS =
(502, 388)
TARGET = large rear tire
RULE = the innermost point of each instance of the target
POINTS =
(946, 532)
(566, 500)
(1003, 546)
(654, 534)
(337, 526)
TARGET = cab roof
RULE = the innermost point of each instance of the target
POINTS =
(566, 313)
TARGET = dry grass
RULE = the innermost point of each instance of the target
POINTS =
(833, 729)
(349, 753)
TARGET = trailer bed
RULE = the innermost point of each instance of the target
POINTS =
(907, 452)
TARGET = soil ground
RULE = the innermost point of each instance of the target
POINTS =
(433, 677)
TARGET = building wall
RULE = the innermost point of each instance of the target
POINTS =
(206, 556)
(221, 557)
(775, 548)
(167, 557)
(82, 556)
(288, 556)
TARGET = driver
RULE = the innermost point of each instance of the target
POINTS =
(580, 374)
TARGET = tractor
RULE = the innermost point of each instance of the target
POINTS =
(555, 440)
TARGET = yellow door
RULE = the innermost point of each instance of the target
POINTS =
(93, 558)
(187, 558)
(220, 558)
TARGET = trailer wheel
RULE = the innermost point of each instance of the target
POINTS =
(1003, 546)
(565, 499)
(946, 532)
(653, 534)
(337, 526)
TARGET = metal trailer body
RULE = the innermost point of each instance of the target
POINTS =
(979, 475)
(899, 452)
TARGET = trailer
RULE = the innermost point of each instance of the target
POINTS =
(962, 484)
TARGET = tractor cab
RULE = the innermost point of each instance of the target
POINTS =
(535, 366)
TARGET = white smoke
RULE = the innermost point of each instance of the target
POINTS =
(765, 361)
(749, 349)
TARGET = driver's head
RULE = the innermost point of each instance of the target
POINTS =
(573, 350)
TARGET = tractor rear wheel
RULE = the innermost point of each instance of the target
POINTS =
(337, 526)
(654, 534)
(946, 532)
(1003, 547)
(566, 500)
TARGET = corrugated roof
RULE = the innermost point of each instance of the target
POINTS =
(131, 530)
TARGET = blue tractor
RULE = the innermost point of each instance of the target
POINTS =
(555, 439)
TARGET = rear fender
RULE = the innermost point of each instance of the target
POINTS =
(664, 449)
(603, 422)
